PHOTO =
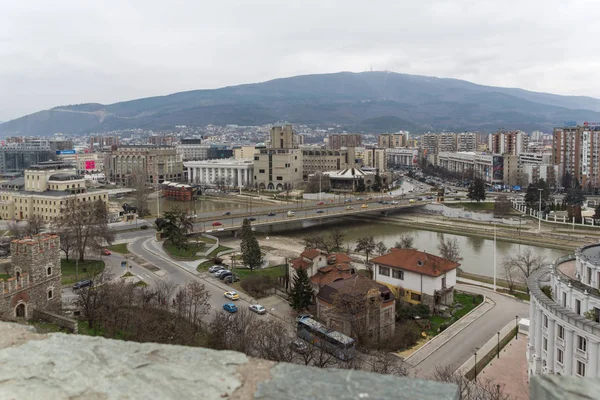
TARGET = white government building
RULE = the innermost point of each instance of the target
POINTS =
(227, 172)
(564, 316)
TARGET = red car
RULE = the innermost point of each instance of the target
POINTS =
(217, 223)
(106, 252)
(320, 203)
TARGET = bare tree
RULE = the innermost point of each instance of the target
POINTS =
(388, 364)
(481, 388)
(191, 302)
(138, 182)
(381, 248)
(271, 340)
(67, 241)
(35, 225)
(510, 273)
(337, 237)
(316, 182)
(367, 245)
(405, 242)
(449, 249)
(17, 230)
(525, 264)
(319, 242)
(502, 205)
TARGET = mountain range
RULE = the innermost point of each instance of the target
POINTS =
(376, 101)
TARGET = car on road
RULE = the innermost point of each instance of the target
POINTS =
(251, 219)
(230, 307)
(364, 206)
(320, 211)
(359, 199)
(320, 203)
(412, 201)
(271, 214)
(221, 272)
(82, 284)
(348, 201)
(290, 214)
(227, 213)
(106, 252)
(385, 202)
(232, 295)
(420, 199)
(216, 223)
(215, 268)
(299, 346)
(380, 201)
(257, 308)
(231, 278)
(394, 202)
(349, 208)
(429, 197)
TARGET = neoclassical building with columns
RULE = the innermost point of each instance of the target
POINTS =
(564, 333)
(224, 172)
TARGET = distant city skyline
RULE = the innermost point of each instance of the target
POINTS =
(70, 52)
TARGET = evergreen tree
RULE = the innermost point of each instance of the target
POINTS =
(477, 190)
(532, 195)
(251, 254)
(574, 199)
(377, 183)
(360, 186)
(301, 291)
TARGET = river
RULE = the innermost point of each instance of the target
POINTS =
(477, 253)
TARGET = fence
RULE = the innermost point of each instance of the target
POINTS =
(453, 212)
(489, 356)
(554, 219)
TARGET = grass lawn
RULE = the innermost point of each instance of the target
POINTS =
(203, 266)
(218, 250)
(474, 205)
(87, 269)
(127, 275)
(189, 253)
(485, 279)
(468, 302)
(141, 284)
(275, 272)
(119, 248)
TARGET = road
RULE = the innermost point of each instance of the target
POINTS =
(462, 346)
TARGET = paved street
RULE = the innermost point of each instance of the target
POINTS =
(462, 346)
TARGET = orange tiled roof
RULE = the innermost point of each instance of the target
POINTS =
(310, 253)
(300, 263)
(329, 274)
(416, 261)
(340, 257)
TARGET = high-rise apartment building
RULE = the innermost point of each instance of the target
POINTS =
(434, 143)
(337, 141)
(103, 142)
(391, 140)
(376, 158)
(192, 149)
(512, 143)
(466, 141)
(279, 167)
(577, 152)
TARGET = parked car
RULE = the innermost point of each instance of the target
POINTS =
(412, 201)
(232, 295)
(349, 208)
(257, 308)
(320, 203)
(230, 307)
(215, 268)
(290, 213)
(271, 214)
(216, 223)
(364, 206)
(225, 275)
(231, 278)
(429, 197)
(251, 219)
(227, 213)
(301, 316)
(106, 252)
(299, 346)
(82, 284)
(221, 272)
(320, 211)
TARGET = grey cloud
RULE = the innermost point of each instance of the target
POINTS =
(69, 51)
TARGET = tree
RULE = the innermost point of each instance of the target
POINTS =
(532, 195)
(567, 180)
(138, 182)
(319, 242)
(176, 224)
(35, 225)
(251, 254)
(87, 223)
(574, 198)
(449, 249)
(510, 273)
(316, 182)
(381, 248)
(387, 364)
(302, 292)
(360, 186)
(482, 388)
(405, 242)
(192, 303)
(67, 241)
(366, 244)
(597, 212)
(16, 229)
(525, 264)
(502, 206)
(337, 238)
(377, 184)
(477, 190)
(361, 310)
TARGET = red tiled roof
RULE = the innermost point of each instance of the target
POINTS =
(339, 257)
(356, 284)
(331, 273)
(416, 261)
(300, 263)
(310, 253)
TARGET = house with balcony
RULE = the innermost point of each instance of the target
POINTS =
(417, 277)
(564, 316)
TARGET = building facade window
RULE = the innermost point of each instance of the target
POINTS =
(545, 344)
(580, 368)
(415, 297)
(50, 294)
(560, 356)
(581, 343)
(561, 332)
(578, 306)
(398, 274)
(545, 321)
(384, 271)
(49, 271)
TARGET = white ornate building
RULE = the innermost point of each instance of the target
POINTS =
(564, 329)
(226, 172)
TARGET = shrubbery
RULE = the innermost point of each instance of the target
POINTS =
(406, 311)
(258, 285)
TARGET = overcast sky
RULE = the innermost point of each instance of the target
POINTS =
(72, 51)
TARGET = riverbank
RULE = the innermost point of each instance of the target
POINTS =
(438, 223)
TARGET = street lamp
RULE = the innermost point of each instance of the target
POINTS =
(540, 212)
(498, 344)
(475, 366)
(494, 256)
(517, 327)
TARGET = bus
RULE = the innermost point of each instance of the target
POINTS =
(334, 342)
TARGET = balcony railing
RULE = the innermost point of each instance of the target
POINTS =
(574, 282)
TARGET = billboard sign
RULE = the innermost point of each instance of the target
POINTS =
(65, 152)
(498, 167)
(516, 188)
(90, 164)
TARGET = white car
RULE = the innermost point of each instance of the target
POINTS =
(394, 202)
(215, 268)
(257, 308)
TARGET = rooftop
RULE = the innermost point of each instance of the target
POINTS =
(356, 284)
(63, 176)
(591, 253)
(416, 261)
